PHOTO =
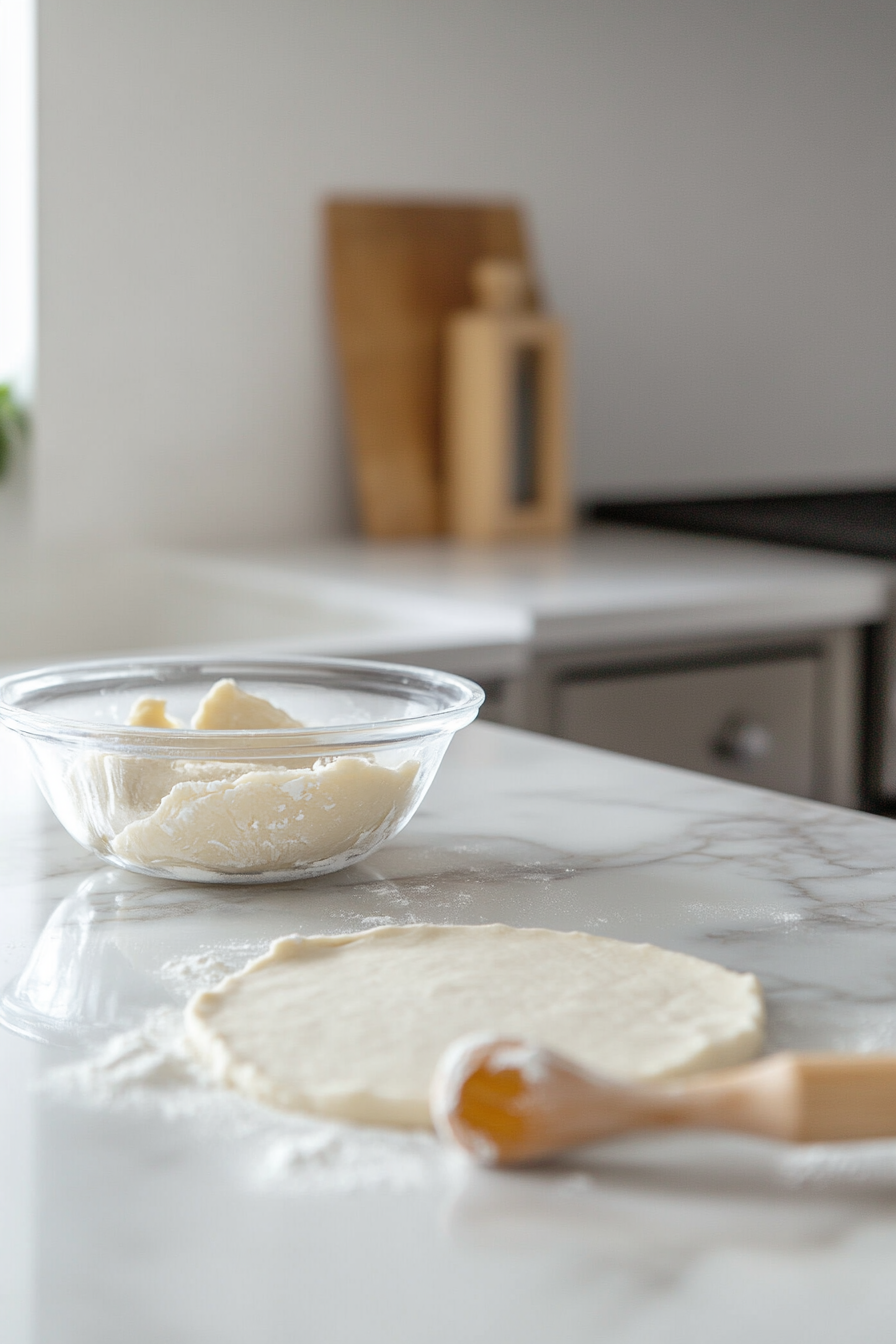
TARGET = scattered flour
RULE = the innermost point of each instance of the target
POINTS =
(150, 1068)
(355, 1157)
(148, 1064)
(201, 970)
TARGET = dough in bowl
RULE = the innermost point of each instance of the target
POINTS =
(353, 1026)
(269, 820)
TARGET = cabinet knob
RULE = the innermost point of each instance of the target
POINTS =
(742, 741)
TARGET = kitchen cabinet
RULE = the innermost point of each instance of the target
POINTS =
(783, 715)
(749, 720)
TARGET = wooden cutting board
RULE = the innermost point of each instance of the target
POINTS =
(397, 270)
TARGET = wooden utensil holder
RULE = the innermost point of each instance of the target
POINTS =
(505, 442)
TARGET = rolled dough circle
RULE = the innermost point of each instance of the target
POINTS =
(353, 1026)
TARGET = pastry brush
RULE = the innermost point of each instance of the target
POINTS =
(508, 1101)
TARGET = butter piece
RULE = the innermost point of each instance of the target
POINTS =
(229, 706)
(271, 820)
(149, 712)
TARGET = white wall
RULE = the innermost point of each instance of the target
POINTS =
(712, 188)
(17, 219)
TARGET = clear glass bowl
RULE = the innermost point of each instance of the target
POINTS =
(236, 805)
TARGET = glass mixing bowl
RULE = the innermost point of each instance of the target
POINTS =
(236, 804)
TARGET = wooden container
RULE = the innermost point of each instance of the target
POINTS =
(505, 441)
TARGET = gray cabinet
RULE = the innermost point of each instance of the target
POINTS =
(753, 722)
(782, 714)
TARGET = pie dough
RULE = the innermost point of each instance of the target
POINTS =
(109, 792)
(270, 820)
(228, 706)
(353, 1026)
(232, 817)
(150, 712)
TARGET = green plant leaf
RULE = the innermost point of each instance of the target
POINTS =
(14, 424)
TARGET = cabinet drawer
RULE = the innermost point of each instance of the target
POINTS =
(753, 722)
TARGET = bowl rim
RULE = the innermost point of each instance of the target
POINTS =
(14, 713)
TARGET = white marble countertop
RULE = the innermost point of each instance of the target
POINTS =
(480, 611)
(140, 1205)
(63, 603)
(609, 584)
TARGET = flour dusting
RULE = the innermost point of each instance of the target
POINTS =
(202, 970)
(148, 1064)
(354, 1157)
(151, 1068)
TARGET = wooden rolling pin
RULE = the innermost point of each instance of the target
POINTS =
(507, 1101)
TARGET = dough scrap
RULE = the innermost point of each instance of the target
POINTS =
(228, 706)
(150, 712)
(270, 820)
(353, 1026)
(108, 792)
